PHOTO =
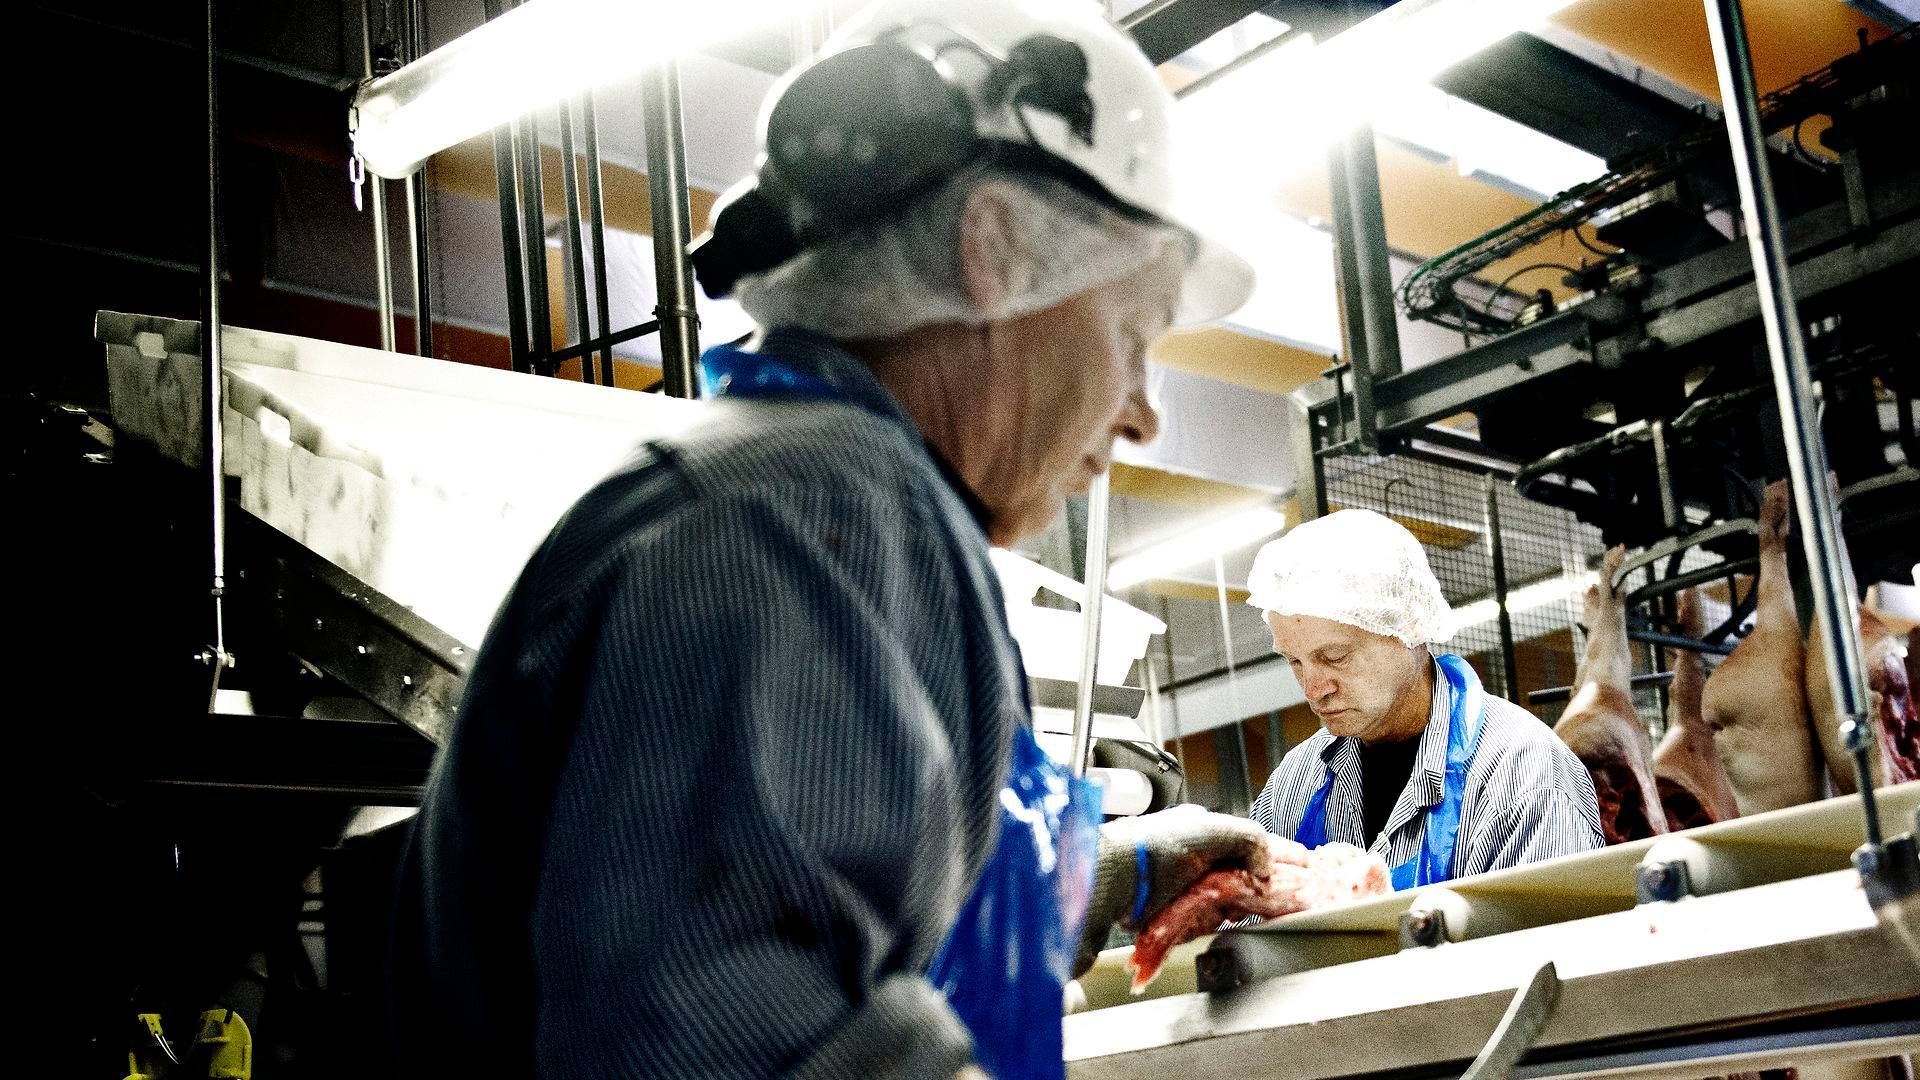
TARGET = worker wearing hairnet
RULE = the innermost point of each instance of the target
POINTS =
(734, 754)
(1414, 761)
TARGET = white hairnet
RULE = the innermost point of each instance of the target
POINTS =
(903, 272)
(1355, 567)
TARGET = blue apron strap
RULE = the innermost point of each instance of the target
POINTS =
(730, 371)
(1434, 863)
(1313, 821)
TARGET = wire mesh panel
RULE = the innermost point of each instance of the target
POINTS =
(1546, 553)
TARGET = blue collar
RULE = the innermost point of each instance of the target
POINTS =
(791, 363)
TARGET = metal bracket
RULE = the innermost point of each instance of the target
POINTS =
(1890, 876)
(1672, 545)
(1907, 475)
(220, 660)
(1890, 873)
(1520, 1028)
(1423, 929)
(1655, 883)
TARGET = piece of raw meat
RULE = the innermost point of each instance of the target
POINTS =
(1693, 786)
(1600, 726)
(1333, 874)
(1895, 754)
(1884, 652)
(1755, 701)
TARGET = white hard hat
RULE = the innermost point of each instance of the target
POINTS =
(1104, 126)
(1355, 567)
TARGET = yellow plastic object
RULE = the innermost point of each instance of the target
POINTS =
(149, 1059)
(222, 1049)
(227, 1044)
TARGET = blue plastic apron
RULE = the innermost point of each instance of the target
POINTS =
(1010, 951)
(1434, 863)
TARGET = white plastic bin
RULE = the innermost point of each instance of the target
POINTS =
(1050, 639)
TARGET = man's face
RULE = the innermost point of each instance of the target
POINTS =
(1353, 679)
(1066, 382)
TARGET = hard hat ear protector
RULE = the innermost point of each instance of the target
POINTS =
(867, 131)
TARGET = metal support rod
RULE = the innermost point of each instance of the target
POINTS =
(377, 198)
(806, 32)
(605, 343)
(1497, 565)
(597, 233)
(213, 388)
(511, 250)
(533, 238)
(1833, 599)
(1663, 473)
(1090, 607)
(1676, 641)
(672, 231)
(1172, 731)
(416, 192)
(1369, 223)
(1155, 727)
(1236, 785)
(1353, 331)
(419, 212)
(382, 259)
(570, 241)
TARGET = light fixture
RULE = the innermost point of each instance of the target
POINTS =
(1278, 115)
(1532, 597)
(538, 54)
(1483, 142)
(1197, 545)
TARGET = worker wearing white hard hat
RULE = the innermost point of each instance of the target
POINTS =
(1414, 760)
(725, 795)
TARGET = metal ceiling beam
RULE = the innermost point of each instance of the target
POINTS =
(1556, 93)
(1166, 28)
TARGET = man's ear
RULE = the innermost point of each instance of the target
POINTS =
(988, 260)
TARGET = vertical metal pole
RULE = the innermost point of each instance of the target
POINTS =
(1090, 607)
(377, 192)
(597, 233)
(1833, 599)
(212, 383)
(1173, 703)
(1497, 565)
(1663, 473)
(1155, 728)
(419, 212)
(533, 237)
(382, 259)
(1231, 747)
(510, 247)
(1353, 328)
(806, 32)
(672, 231)
(416, 192)
(1375, 271)
(570, 241)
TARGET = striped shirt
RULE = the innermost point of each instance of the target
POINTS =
(727, 765)
(1528, 798)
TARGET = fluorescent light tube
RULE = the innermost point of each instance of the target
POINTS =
(1199, 545)
(1277, 115)
(533, 56)
(1532, 597)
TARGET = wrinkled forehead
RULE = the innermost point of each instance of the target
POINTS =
(1301, 636)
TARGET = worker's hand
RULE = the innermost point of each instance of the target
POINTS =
(972, 1072)
(1178, 847)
